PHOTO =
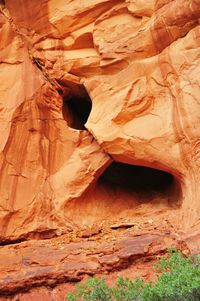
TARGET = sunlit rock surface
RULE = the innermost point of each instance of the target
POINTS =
(100, 138)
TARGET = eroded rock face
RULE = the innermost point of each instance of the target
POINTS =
(86, 84)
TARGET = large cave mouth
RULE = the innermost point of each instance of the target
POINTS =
(76, 110)
(140, 180)
(127, 192)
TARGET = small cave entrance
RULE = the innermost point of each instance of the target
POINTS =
(139, 180)
(76, 109)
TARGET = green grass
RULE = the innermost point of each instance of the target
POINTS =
(178, 280)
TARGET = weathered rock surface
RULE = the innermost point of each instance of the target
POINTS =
(83, 85)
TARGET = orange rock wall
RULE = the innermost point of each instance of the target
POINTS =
(139, 62)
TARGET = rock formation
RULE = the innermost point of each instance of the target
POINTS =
(99, 144)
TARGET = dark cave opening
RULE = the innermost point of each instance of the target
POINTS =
(124, 192)
(139, 180)
(76, 110)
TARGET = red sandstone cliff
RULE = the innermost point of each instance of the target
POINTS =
(99, 144)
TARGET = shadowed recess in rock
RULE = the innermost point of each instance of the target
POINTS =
(138, 179)
(125, 190)
(76, 110)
